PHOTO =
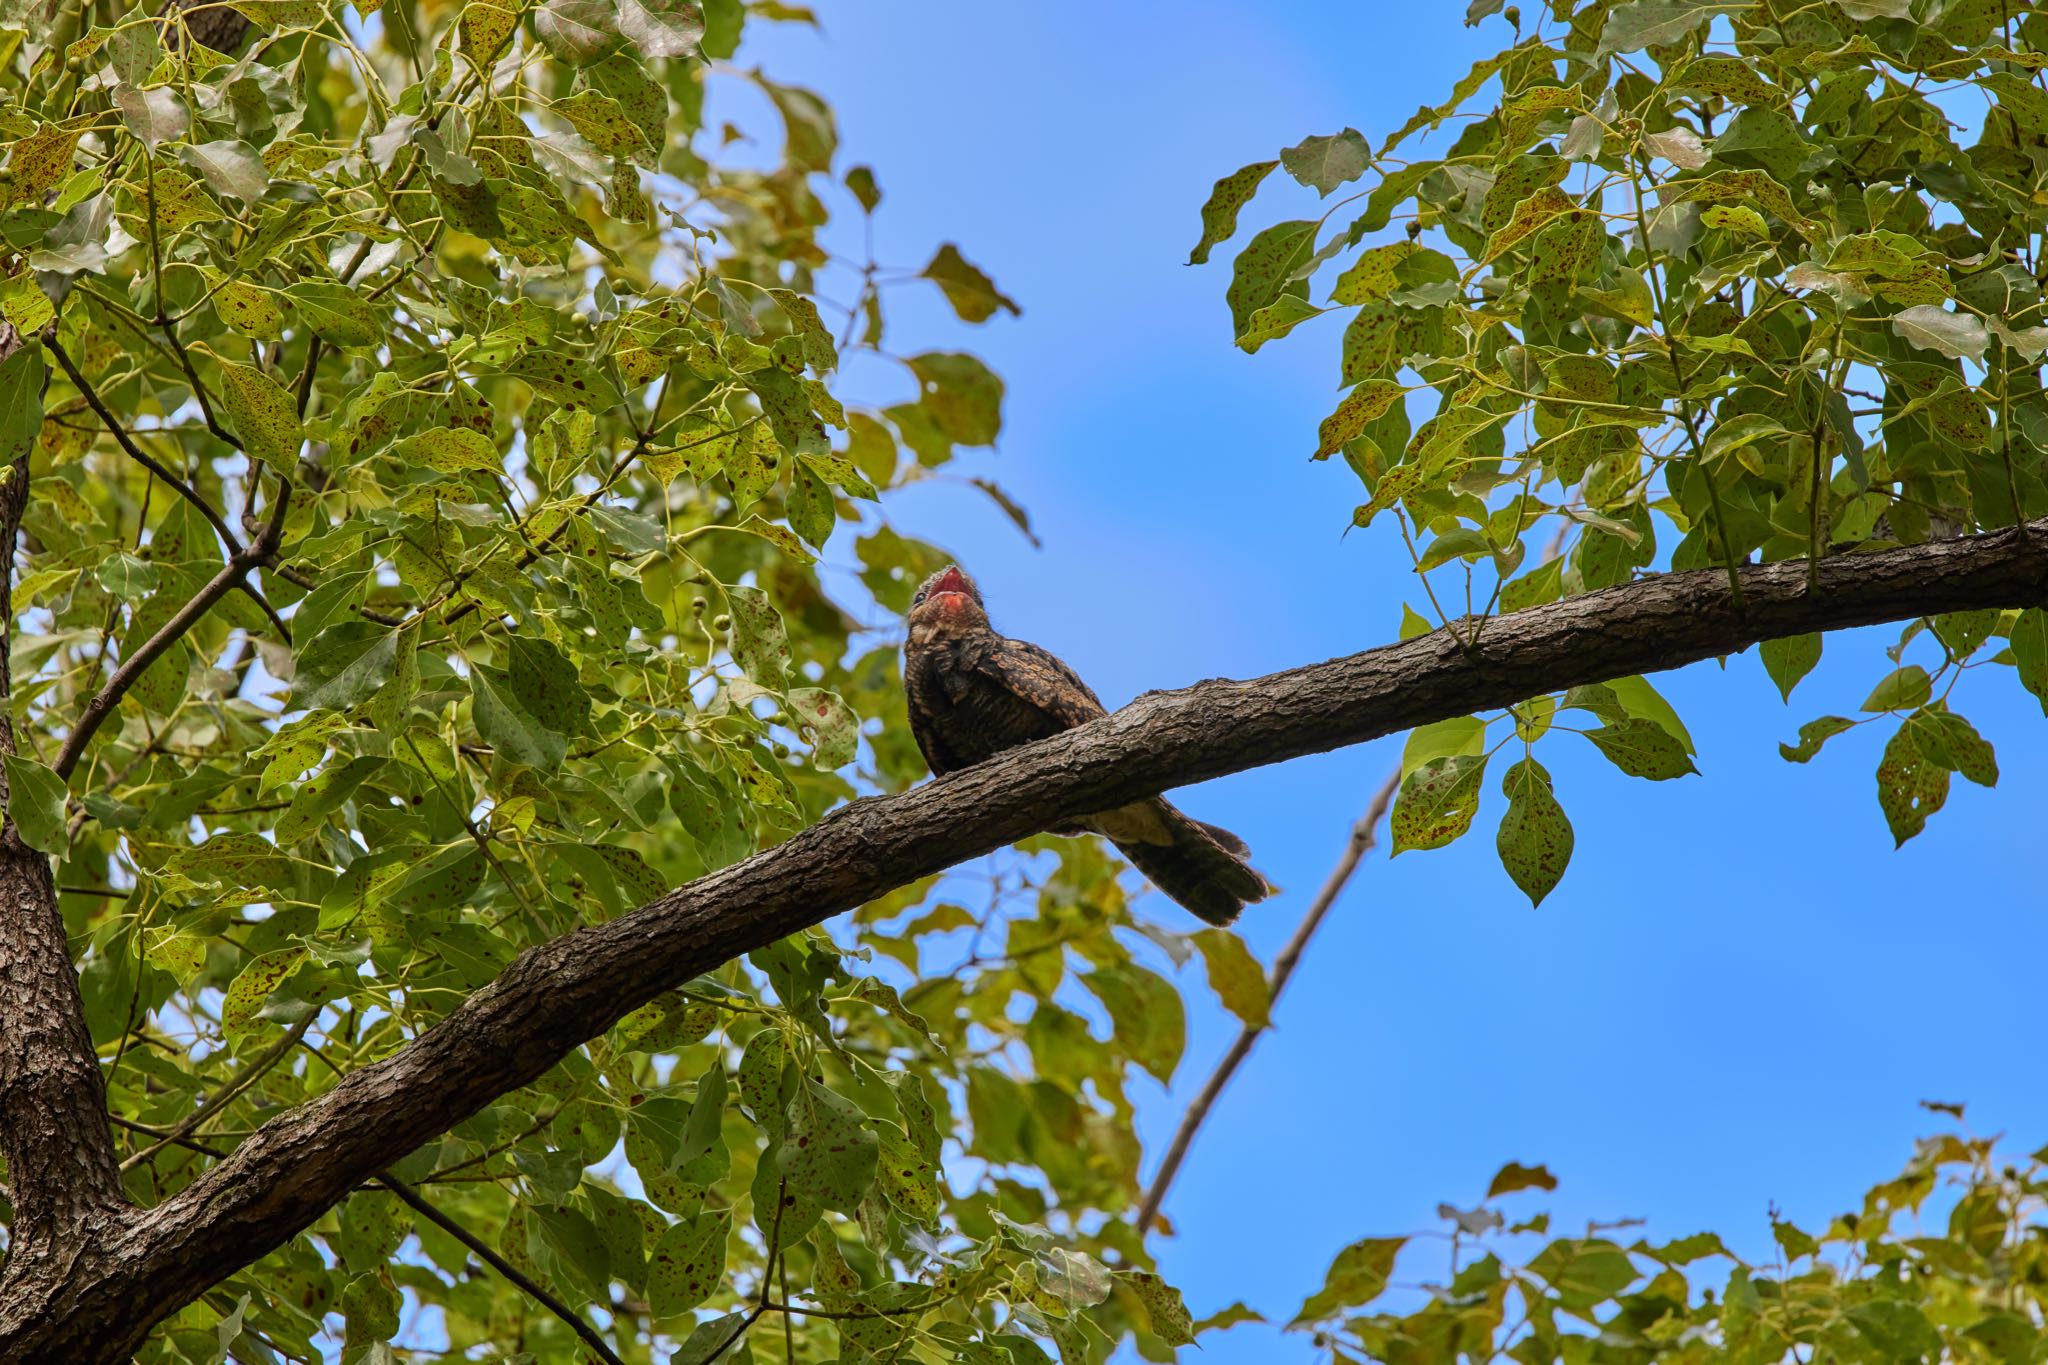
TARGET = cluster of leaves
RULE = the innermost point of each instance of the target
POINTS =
(453, 438)
(1942, 1263)
(1715, 274)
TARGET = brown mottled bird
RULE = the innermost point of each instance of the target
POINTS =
(974, 693)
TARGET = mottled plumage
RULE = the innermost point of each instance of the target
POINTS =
(973, 693)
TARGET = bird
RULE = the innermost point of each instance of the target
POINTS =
(973, 693)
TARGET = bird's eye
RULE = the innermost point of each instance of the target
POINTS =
(918, 599)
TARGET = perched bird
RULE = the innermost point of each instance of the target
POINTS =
(974, 693)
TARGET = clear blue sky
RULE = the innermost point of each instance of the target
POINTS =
(1739, 992)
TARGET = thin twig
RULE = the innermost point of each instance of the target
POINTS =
(231, 576)
(422, 1206)
(246, 1077)
(134, 451)
(484, 1252)
(162, 471)
(1363, 836)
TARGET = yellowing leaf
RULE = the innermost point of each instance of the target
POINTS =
(262, 415)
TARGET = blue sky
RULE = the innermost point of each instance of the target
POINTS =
(1739, 992)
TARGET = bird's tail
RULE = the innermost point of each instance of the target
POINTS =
(1200, 866)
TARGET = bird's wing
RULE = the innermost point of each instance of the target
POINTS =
(1040, 678)
(937, 757)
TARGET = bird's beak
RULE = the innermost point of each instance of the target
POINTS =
(953, 581)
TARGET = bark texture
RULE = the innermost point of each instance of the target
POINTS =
(61, 1168)
(119, 1280)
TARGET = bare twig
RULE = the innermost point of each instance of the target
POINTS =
(1360, 843)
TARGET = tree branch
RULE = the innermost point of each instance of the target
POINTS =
(232, 575)
(484, 1252)
(560, 994)
(1355, 848)
(53, 1116)
(163, 474)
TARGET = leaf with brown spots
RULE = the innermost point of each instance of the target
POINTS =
(1535, 838)
(253, 986)
(1437, 801)
(1169, 1316)
(264, 417)
(687, 1264)
(828, 1154)
(1219, 214)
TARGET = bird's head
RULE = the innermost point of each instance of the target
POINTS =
(945, 604)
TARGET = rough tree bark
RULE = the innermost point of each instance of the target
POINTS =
(121, 1271)
(63, 1175)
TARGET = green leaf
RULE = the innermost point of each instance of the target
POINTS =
(449, 449)
(1264, 268)
(1790, 658)
(1147, 1014)
(1963, 633)
(35, 803)
(1959, 336)
(1235, 975)
(2030, 652)
(1324, 163)
(344, 665)
(1219, 214)
(338, 314)
(155, 116)
(1535, 838)
(1812, 735)
(972, 293)
(828, 1153)
(760, 645)
(326, 792)
(1910, 785)
(1437, 801)
(1169, 1316)
(1356, 1277)
(1645, 23)
(21, 403)
(909, 1179)
(828, 723)
(1946, 738)
(232, 167)
(263, 415)
(1901, 690)
(1364, 404)
(1642, 748)
(253, 986)
(1640, 699)
(528, 710)
(687, 1266)
(1515, 1176)
(126, 576)
(1584, 1271)
(1443, 739)
(569, 1244)
(369, 1310)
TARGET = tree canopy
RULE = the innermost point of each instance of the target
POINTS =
(435, 728)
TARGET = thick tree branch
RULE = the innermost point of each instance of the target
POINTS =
(1355, 848)
(558, 995)
(53, 1118)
